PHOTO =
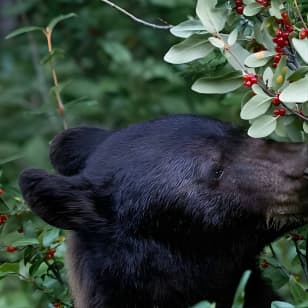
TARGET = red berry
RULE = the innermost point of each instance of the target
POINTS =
(276, 100)
(238, 2)
(277, 57)
(3, 218)
(282, 111)
(274, 64)
(239, 9)
(303, 34)
(50, 253)
(284, 15)
(57, 304)
(11, 248)
(1, 191)
(265, 264)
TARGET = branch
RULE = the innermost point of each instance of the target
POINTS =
(166, 27)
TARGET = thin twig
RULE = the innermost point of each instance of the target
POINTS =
(299, 14)
(54, 271)
(301, 258)
(280, 265)
(61, 108)
(133, 17)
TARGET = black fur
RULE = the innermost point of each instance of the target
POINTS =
(169, 212)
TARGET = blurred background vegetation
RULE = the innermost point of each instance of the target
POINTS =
(113, 74)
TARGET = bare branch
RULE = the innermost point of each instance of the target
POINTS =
(164, 27)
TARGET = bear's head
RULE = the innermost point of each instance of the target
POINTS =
(174, 176)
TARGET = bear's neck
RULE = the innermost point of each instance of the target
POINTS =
(143, 272)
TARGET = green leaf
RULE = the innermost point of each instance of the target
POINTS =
(23, 30)
(10, 159)
(187, 28)
(194, 47)
(212, 18)
(297, 291)
(237, 56)
(268, 77)
(259, 58)
(296, 92)
(299, 73)
(275, 8)
(58, 19)
(8, 268)
(239, 297)
(25, 242)
(50, 236)
(232, 38)
(252, 9)
(278, 304)
(262, 126)
(217, 42)
(204, 304)
(305, 127)
(301, 47)
(280, 74)
(221, 84)
(255, 107)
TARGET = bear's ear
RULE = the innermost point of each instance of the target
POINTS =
(59, 200)
(70, 149)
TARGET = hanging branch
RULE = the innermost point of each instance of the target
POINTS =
(133, 17)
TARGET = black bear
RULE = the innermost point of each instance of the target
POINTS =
(169, 212)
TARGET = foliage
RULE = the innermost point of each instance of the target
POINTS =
(264, 46)
(112, 74)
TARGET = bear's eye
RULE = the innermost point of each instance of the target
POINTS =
(218, 172)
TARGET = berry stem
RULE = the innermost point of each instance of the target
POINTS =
(272, 93)
(280, 265)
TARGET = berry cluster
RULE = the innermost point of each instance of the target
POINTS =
(281, 37)
(11, 248)
(264, 3)
(50, 253)
(239, 6)
(280, 112)
(303, 34)
(249, 80)
(3, 218)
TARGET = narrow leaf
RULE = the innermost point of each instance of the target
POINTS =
(58, 19)
(259, 58)
(217, 42)
(252, 9)
(8, 268)
(233, 37)
(299, 73)
(23, 30)
(218, 85)
(212, 18)
(297, 291)
(262, 126)
(278, 304)
(296, 92)
(187, 28)
(194, 47)
(239, 297)
(301, 47)
(255, 107)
